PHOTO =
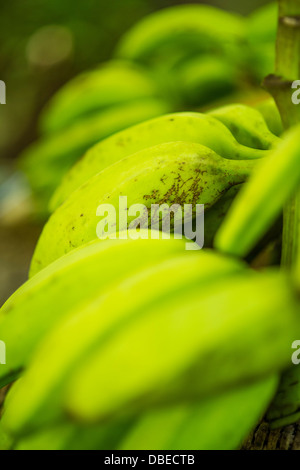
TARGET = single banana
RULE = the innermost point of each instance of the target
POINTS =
(247, 125)
(42, 301)
(46, 161)
(111, 84)
(185, 27)
(221, 422)
(79, 333)
(188, 127)
(262, 198)
(173, 173)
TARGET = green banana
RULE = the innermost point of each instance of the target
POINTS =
(262, 199)
(188, 127)
(111, 84)
(185, 27)
(173, 173)
(46, 161)
(271, 116)
(216, 214)
(43, 300)
(247, 125)
(80, 332)
(215, 423)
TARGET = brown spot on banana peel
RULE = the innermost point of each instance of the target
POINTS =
(173, 195)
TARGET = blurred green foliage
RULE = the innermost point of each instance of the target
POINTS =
(92, 28)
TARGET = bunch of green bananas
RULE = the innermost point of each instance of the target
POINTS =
(156, 349)
(133, 342)
(45, 163)
(173, 159)
(130, 337)
(178, 58)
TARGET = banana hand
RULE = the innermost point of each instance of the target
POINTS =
(188, 127)
(172, 173)
(81, 330)
(139, 355)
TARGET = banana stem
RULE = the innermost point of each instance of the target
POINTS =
(287, 64)
(287, 70)
(288, 39)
